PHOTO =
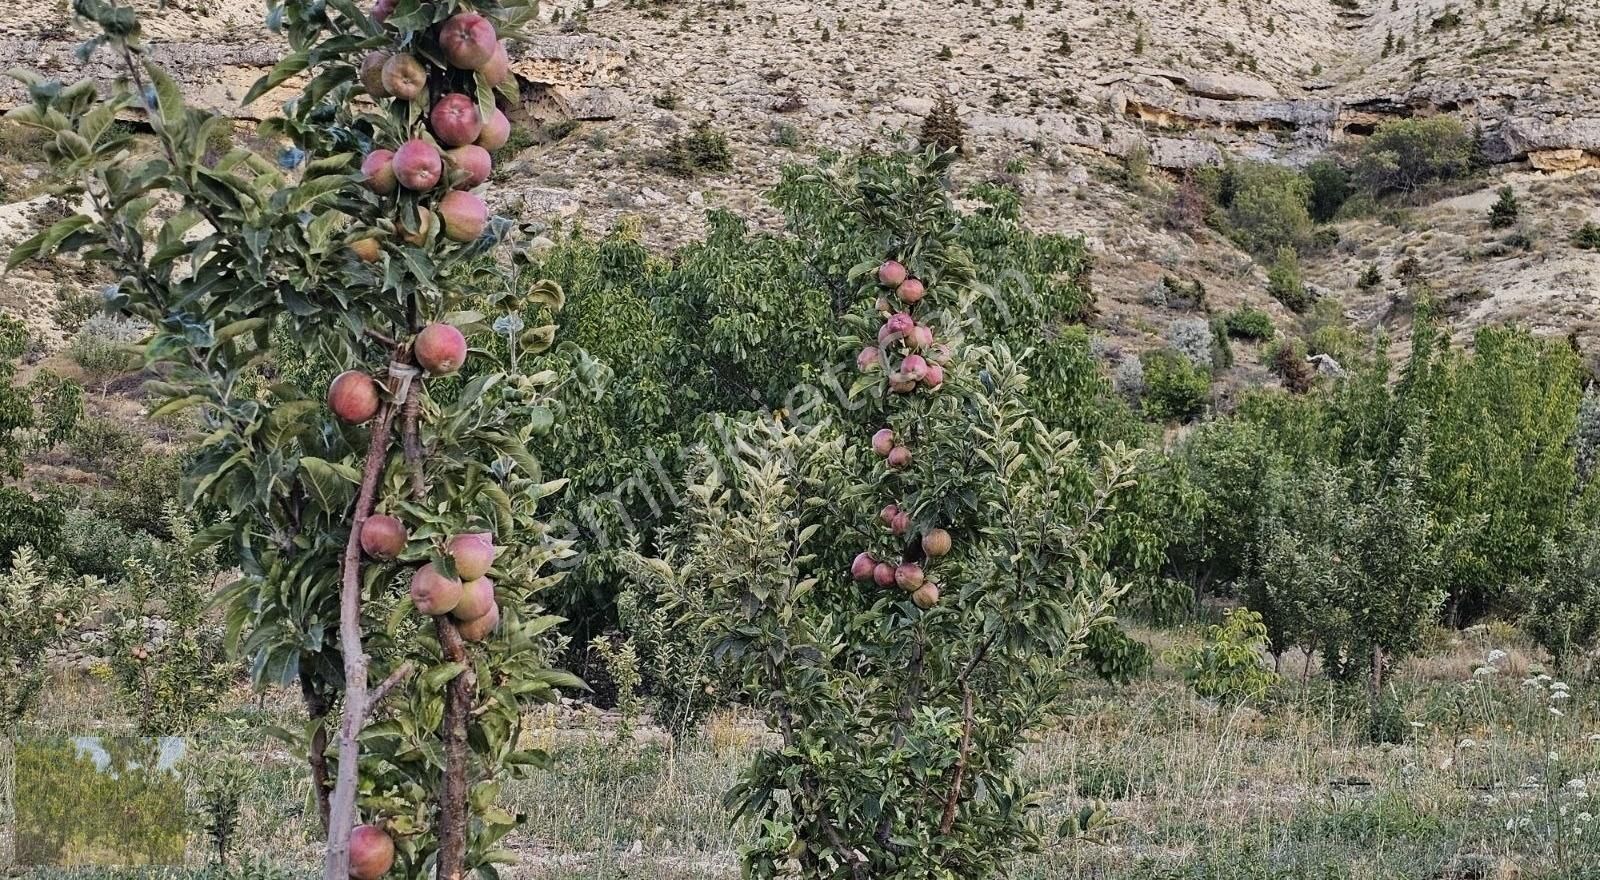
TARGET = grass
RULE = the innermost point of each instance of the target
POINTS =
(1290, 788)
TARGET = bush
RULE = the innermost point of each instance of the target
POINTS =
(703, 149)
(1330, 187)
(74, 307)
(942, 128)
(37, 612)
(1175, 387)
(1248, 323)
(1287, 360)
(102, 347)
(1587, 237)
(1284, 282)
(1504, 211)
(1227, 665)
(1191, 337)
(91, 544)
(1370, 277)
(169, 663)
(1405, 154)
(1564, 600)
(1264, 206)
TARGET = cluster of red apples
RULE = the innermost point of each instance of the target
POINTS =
(457, 155)
(915, 359)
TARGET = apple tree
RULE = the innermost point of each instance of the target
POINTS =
(385, 526)
(902, 586)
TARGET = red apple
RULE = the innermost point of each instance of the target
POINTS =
(372, 73)
(892, 274)
(862, 566)
(901, 524)
(899, 457)
(920, 337)
(468, 40)
(465, 215)
(471, 159)
(432, 592)
(900, 384)
(914, 367)
(377, 171)
(441, 349)
(384, 536)
(926, 596)
(481, 628)
(382, 9)
(888, 513)
(371, 852)
(455, 120)
(498, 70)
(883, 441)
(353, 397)
(883, 574)
(473, 553)
(934, 377)
(900, 323)
(908, 576)
(496, 131)
(404, 77)
(418, 165)
(911, 292)
(477, 597)
(869, 358)
(936, 542)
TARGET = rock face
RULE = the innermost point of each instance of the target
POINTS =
(571, 77)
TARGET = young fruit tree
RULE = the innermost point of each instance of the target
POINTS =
(902, 586)
(384, 526)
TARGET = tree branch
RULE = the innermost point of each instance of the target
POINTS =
(388, 685)
(342, 808)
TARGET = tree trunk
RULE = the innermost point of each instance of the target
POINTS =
(317, 754)
(451, 860)
(452, 830)
(342, 806)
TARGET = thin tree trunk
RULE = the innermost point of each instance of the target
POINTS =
(317, 755)
(452, 830)
(342, 806)
(953, 799)
(451, 860)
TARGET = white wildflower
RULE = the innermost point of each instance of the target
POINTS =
(1496, 656)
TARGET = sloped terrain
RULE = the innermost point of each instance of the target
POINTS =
(1059, 97)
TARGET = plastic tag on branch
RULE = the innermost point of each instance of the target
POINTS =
(402, 374)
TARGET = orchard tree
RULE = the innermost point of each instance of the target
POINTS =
(901, 590)
(367, 244)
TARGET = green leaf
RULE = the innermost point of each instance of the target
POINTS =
(291, 64)
(436, 678)
(326, 484)
(45, 243)
(178, 405)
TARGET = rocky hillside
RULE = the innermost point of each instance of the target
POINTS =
(1070, 100)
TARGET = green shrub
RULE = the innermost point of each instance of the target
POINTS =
(703, 149)
(1587, 237)
(103, 346)
(168, 661)
(1175, 387)
(1249, 323)
(1330, 187)
(74, 307)
(1284, 282)
(92, 544)
(1405, 154)
(1264, 207)
(1371, 277)
(1564, 600)
(28, 521)
(37, 613)
(1504, 211)
(1228, 664)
